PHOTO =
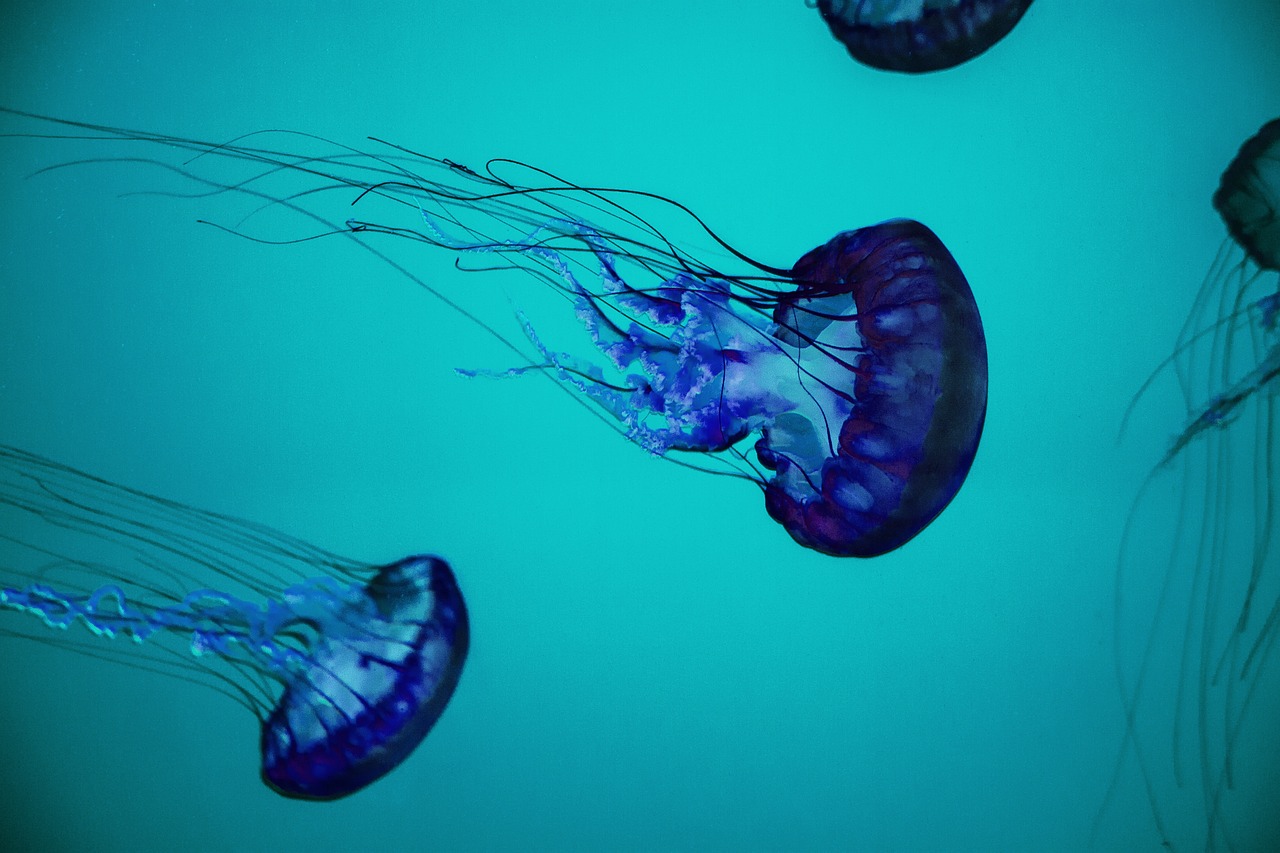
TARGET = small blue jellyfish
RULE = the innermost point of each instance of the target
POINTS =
(1213, 595)
(368, 656)
(861, 369)
(915, 36)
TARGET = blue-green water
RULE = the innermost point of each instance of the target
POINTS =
(655, 664)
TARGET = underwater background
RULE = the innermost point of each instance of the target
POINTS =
(655, 664)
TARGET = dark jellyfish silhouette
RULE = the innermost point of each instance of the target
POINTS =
(862, 369)
(1200, 699)
(916, 36)
(367, 656)
(1248, 198)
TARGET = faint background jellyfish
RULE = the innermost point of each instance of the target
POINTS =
(915, 36)
(861, 369)
(346, 665)
(1200, 699)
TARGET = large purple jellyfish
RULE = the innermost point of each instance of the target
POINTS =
(919, 35)
(1217, 605)
(865, 375)
(867, 381)
(368, 656)
(863, 368)
(919, 397)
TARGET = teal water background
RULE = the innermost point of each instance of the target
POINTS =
(655, 664)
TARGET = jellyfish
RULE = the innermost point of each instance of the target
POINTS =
(346, 665)
(915, 36)
(861, 369)
(1195, 627)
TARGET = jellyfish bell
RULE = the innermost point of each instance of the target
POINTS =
(893, 295)
(1197, 598)
(861, 370)
(1248, 197)
(359, 705)
(916, 36)
(367, 656)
